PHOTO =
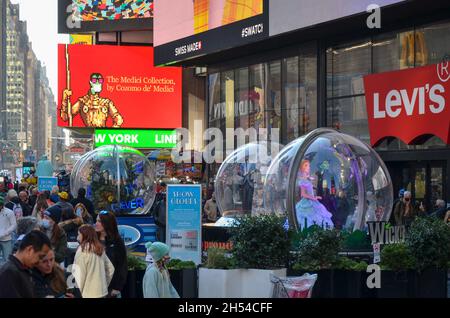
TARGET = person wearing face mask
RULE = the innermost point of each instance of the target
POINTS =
(93, 109)
(57, 235)
(405, 211)
(211, 209)
(156, 282)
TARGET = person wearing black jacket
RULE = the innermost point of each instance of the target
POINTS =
(86, 202)
(108, 232)
(15, 275)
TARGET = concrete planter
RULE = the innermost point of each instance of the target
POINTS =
(219, 283)
(256, 282)
(236, 283)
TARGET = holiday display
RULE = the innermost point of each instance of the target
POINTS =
(117, 178)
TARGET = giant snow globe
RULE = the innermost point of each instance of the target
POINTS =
(116, 178)
(239, 184)
(329, 179)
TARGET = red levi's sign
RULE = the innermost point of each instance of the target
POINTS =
(409, 104)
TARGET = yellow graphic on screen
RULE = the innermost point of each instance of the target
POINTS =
(232, 11)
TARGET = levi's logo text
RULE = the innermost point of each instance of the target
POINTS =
(409, 104)
(196, 46)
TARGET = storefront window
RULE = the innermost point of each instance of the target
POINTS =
(257, 96)
(393, 51)
(274, 96)
(434, 45)
(243, 104)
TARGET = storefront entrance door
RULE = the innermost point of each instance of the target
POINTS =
(424, 179)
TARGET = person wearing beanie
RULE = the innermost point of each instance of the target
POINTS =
(156, 282)
(7, 227)
(24, 226)
(57, 236)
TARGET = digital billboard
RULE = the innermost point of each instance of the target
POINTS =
(104, 15)
(103, 86)
(189, 28)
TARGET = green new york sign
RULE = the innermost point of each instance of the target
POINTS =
(136, 138)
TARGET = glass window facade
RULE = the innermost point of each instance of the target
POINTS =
(279, 96)
(348, 63)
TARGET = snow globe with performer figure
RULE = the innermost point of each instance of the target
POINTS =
(239, 184)
(329, 179)
(116, 178)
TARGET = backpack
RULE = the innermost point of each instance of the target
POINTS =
(17, 209)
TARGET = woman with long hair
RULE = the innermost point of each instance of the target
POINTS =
(56, 234)
(108, 233)
(92, 269)
(40, 206)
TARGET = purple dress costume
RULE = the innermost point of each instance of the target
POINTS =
(310, 212)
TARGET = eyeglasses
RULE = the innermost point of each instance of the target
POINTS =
(95, 80)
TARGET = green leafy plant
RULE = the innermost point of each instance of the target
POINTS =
(260, 242)
(135, 263)
(318, 250)
(345, 263)
(177, 264)
(218, 259)
(428, 240)
(355, 241)
(397, 257)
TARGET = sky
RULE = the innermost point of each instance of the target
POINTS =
(42, 29)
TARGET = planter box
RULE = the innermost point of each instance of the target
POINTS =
(219, 283)
(431, 283)
(256, 283)
(351, 284)
(185, 282)
(133, 286)
(324, 286)
(236, 283)
(397, 284)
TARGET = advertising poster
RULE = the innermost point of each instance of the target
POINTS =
(104, 15)
(140, 139)
(188, 28)
(86, 39)
(47, 183)
(184, 222)
(116, 87)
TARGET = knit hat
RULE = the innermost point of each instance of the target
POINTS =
(54, 212)
(157, 250)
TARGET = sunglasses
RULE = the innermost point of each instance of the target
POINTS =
(95, 80)
(103, 212)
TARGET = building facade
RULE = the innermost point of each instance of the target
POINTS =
(306, 70)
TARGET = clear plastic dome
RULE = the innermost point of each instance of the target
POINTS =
(330, 179)
(239, 185)
(116, 178)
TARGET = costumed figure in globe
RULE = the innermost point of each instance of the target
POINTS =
(309, 210)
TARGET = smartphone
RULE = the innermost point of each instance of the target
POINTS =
(70, 291)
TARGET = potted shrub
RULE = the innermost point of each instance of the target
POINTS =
(397, 275)
(135, 276)
(260, 248)
(428, 239)
(217, 277)
(183, 275)
(317, 251)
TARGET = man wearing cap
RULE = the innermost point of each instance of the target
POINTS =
(156, 283)
(64, 204)
(7, 227)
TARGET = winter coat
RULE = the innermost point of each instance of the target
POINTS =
(15, 280)
(157, 284)
(92, 273)
(8, 224)
(117, 254)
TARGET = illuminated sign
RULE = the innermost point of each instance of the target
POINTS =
(116, 87)
(136, 138)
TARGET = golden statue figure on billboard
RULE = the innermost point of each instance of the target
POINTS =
(93, 109)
